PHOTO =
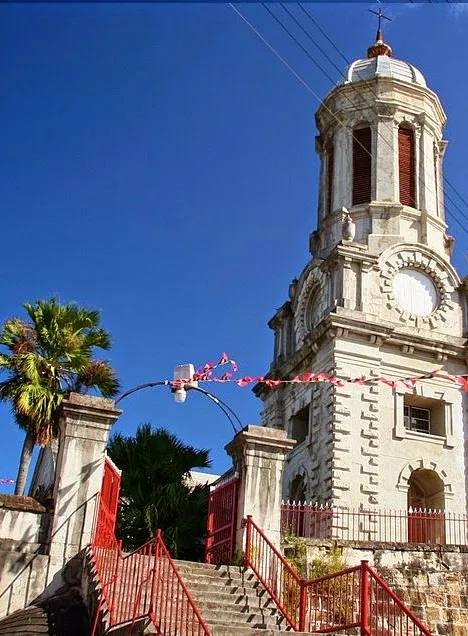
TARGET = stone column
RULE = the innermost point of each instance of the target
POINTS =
(342, 183)
(386, 155)
(259, 454)
(84, 425)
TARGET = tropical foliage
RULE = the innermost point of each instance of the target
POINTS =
(155, 494)
(44, 358)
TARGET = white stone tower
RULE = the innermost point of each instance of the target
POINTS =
(379, 298)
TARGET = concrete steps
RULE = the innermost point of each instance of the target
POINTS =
(231, 598)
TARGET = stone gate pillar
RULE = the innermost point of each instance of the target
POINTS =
(84, 425)
(259, 454)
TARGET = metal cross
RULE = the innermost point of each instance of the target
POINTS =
(381, 15)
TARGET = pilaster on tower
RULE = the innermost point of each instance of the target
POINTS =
(378, 299)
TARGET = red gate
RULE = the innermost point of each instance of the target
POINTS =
(222, 521)
(110, 490)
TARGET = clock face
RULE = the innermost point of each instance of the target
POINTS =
(415, 292)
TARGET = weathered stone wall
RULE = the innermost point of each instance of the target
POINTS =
(23, 519)
(25, 572)
(432, 581)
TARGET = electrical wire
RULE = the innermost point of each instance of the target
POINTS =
(307, 53)
(310, 17)
(295, 73)
(222, 405)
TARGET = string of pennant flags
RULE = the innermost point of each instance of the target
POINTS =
(206, 373)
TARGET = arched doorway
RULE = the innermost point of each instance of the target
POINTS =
(426, 504)
(298, 489)
(294, 521)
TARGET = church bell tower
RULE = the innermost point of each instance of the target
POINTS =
(378, 305)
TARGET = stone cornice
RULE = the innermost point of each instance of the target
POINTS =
(282, 313)
(349, 93)
(349, 324)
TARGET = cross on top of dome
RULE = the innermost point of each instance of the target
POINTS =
(379, 48)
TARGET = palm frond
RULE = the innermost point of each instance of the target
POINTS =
(98, 374)
(48, 356)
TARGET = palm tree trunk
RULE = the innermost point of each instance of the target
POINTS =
(25, 460)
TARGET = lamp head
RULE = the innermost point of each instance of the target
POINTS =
(183, 374)
(180, 395)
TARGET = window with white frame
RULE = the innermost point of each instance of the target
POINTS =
(424, 415)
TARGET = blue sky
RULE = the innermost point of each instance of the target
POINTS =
(158, 164)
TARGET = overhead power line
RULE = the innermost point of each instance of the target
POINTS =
(446, 180)
(301, 79)
(452, 214)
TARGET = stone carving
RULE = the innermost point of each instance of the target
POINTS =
(313, 285)
(349, 226)
(415, 256)
(314, 242)
(449, 243)
(417, 464)
(292, 288)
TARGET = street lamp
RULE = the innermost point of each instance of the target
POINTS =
(179, 387)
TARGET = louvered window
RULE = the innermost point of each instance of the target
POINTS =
(362, 165)
(406, 166)
(330, 166)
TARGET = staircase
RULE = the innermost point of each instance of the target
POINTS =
(147, 592)
(231, 600)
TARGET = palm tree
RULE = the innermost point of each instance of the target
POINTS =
(46, 357)
(154, 493)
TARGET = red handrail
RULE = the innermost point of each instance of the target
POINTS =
(355, 597)
(144, 583)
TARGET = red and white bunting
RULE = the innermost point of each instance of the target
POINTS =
(206, 374)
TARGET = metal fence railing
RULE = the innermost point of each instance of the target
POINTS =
(360, 524)
(144, 583)
(355, 601)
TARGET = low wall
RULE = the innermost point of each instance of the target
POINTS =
(23, 519)
(431, 580)
(24, 574)
(31, 561)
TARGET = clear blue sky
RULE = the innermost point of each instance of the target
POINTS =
(157, 162)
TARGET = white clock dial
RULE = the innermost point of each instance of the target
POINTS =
(415, 292)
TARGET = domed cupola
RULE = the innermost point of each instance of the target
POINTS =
(381, 152)
(380, 63)
(383, 66)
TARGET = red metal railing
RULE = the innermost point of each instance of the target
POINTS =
(144, 583)
(222, 520)
(352, 524)
(354, 599)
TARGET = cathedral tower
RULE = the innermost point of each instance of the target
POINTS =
(378, 299)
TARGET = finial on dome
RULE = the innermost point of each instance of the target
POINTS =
(379, 48)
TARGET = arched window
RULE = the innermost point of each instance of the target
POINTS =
(330, 168)
(362, 165)
(406, 166)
